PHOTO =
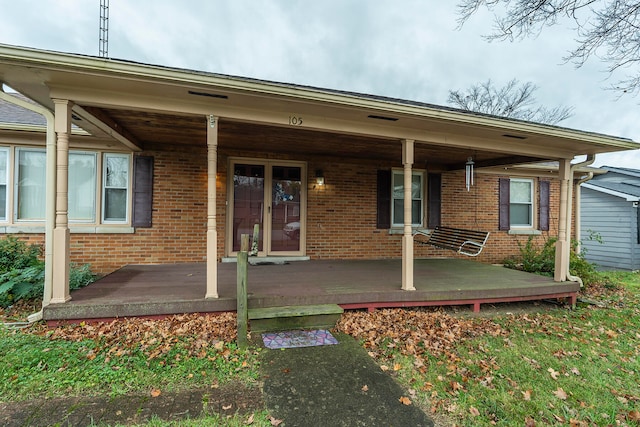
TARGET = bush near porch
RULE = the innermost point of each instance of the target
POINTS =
(540, 259)
(22, 272)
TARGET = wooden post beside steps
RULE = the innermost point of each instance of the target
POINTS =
(241, 291)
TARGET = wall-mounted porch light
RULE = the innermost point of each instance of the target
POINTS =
(319, 177)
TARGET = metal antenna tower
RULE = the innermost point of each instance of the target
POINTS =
(103, 49)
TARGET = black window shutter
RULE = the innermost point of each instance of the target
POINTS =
(384, 199)
(434, 199)
(544, 206)
(504, 222)
(142, 191)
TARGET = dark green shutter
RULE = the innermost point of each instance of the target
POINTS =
(142, 191)
(434, 200)
(504, 222)
(384, 199)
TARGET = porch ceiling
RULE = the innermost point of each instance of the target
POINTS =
(147, 105)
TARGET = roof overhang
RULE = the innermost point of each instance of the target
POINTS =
(102, 87)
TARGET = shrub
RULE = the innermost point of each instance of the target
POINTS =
(540, 259)
(22, 272)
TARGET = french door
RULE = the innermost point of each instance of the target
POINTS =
(271, 194)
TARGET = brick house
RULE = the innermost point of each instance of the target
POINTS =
(171, 166)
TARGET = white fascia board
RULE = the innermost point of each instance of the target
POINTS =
(627, 197)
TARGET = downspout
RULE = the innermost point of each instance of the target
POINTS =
(50, 201)
(589, 160)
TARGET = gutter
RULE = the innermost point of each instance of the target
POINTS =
(589, 160)
(50, 201)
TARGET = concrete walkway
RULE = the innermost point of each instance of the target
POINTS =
(334, 385)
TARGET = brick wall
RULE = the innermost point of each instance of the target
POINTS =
(341, 216)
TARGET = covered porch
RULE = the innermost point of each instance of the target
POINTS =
(152, 290)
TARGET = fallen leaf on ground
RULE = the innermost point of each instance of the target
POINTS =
(554, 374)
(385, 368)
(405, 400)
(529, 422)
(560, 393)
(397, 367)
(474, 411)
(274, 421)
(365, 388)
(249, 420)
(227, 407)
(526, 395)
(155, 392)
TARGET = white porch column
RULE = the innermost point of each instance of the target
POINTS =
(407, 237)
(60, 285)
(563, 244)
(212, 233)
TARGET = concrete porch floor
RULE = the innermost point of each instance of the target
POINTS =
(151, 290)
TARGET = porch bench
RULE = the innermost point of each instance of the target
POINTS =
(465, 242)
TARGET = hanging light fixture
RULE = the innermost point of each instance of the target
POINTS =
(468, 169)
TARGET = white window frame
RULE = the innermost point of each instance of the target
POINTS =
(7, 185)
(531, 205)
(400, 172)
(127, 188)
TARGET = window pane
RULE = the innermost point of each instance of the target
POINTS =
(416, 187)
(82, 186)
(520, 191)
(117, 171)
(416, 212)
(115, 201)
(3, 167)
(3, 202)
(520, 214)
(398, 186)
(398, 211)
(115, 187)
(31, 185)
(3, 184)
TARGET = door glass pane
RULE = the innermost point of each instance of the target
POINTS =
(248, 201)
(285, 208)
(31, 183)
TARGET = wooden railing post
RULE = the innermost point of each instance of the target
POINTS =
(241, 292)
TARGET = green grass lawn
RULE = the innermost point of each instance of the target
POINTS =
(539, 367)
(562, 367)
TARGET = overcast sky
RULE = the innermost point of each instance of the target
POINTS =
(410, 49)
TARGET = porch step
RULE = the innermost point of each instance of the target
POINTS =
(294, 317)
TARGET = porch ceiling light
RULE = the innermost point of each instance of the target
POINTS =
(319, 177)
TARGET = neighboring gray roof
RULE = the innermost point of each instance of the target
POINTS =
(15, 115)
(623, 171)
(620, 182)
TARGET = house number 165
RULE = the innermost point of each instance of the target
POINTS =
(295, 120)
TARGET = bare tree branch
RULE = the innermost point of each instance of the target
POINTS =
(606, 29)
(514, 100)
